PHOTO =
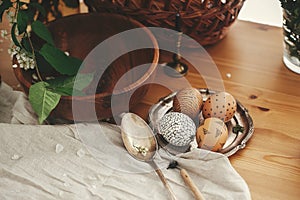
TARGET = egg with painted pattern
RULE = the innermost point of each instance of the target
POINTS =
(221, 105)
(177, 128)
(212, 135)
(188, 101)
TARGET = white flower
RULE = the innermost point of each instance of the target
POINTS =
(25, 61)
(11, 15)
(4, 34)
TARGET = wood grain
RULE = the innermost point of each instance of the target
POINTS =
(252, 54)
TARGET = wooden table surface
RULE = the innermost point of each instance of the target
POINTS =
(252, 54)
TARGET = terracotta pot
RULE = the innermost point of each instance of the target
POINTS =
(79, 35)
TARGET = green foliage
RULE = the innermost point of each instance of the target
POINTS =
(39, 7)
(291, 27)
(62, 63)
(42, 100)
(26, 45)
(41, 30)
(13, 35)
(4, 6)
(45, 95)
(238, 128)
(70, 86)
(22, 21)
(72, 3)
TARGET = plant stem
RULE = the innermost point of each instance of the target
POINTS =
(35, 61)
(17, 10)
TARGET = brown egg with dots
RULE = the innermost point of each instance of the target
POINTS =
(212, 135)
(221, 105)
(188, 101)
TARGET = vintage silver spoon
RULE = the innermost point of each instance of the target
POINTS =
(140, 142)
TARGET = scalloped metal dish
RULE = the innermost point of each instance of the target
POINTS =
(234, 142)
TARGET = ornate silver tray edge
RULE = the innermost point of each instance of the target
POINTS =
(165, 105)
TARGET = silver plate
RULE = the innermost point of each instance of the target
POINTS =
(234, 142)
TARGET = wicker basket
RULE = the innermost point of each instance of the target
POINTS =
(206, 21)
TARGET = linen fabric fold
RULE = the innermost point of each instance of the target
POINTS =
(80, 162)
(32, 168)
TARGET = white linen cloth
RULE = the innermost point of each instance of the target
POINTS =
(52, 162)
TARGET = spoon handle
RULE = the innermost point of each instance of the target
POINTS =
(163, 180)
(187, 179)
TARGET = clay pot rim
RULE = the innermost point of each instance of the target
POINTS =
(140, 81)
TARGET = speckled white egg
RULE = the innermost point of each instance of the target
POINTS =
(188, 101)
(212, 135)
(177, 128)
(221, 105)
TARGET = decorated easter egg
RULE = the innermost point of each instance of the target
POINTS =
(221, 105)
(177, 128)
(212, 135)
(188, 101)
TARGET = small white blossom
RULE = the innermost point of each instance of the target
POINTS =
(4, 34)
(59, 148)
(80, 153)
(24, 60)
(31, 65)
(34, 76)
(61, 193)
(49, 78)
(15, 157)
(10, 51)
(11, 15)
(66, 184)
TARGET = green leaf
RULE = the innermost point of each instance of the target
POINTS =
(13, 35)
(238, 128)
(72, 3)
(44, 66)
(42, 100)
(4, 6)
(39, 7)
(70, 86)
(22, 21)
(81, 81)
(41, 30)
(26, 45)
(62, 63)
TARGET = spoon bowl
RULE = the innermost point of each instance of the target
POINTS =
(138, 138)
(140, 142)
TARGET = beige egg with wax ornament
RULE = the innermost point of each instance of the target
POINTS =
(212, 135)
(188, 101)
